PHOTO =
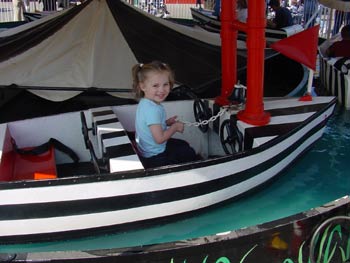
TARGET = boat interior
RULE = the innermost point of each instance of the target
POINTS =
(101, 138)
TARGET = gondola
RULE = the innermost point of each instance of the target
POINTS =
(207, 20)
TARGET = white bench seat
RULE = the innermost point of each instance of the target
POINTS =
(113, 141)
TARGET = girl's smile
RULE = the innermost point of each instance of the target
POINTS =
(156, 86)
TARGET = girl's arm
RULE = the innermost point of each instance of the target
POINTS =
(161, 136)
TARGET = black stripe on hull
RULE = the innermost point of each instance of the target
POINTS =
(342, 89)
(144, 223)
(233, 245)
(175, 195)
(150, 172)
(333, 80)
(55, 209)
(329, 78)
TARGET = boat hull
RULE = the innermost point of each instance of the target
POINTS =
(335, 81)
(82, 205)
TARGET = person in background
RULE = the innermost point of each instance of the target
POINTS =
(152, 83)
(217, 8)
(283, 16)
(341, 48)
(242, 10)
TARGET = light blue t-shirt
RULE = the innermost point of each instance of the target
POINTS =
(148, 113)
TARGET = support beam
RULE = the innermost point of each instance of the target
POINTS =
(254, 109)
(228, 51)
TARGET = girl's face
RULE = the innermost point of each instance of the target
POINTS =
(156, 86)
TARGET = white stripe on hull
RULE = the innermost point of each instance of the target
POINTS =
(57, 224)
(144, 184)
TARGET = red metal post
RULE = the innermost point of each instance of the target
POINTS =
(254, 109)
(228, 51)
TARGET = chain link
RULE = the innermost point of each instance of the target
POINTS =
(219, 114)
(211, 119)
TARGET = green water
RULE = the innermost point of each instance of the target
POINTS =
(320, 176)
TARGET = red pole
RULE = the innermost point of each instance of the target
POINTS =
(254, 109)
(228, 51)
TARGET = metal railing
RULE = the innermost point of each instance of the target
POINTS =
(331, 21)
(12, 10)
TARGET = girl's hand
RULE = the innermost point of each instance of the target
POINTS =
(179, 126)
(171, 120)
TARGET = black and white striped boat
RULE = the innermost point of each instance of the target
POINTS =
(335, 72)
(47, 196)
(335, 77)
(210, 22)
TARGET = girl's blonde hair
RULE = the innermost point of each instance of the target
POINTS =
(140, 71)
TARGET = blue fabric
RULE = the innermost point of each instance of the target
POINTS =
(149, 113)
(217, 8)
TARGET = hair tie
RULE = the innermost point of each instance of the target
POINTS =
(141, 65)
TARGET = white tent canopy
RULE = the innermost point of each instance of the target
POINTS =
(91, 50)
(78, 55)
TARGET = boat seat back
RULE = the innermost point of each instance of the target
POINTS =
(6, 154)
(113, 141)
(99, 164)
(18, 164)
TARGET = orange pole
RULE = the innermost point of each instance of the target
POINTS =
(254, 109)
(228, 51)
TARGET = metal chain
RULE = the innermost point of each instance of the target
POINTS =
(220, 113)
(205, 122)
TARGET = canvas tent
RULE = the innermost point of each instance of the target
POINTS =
(96, 44)
(67, 60)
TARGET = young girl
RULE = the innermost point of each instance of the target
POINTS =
(152, 83)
